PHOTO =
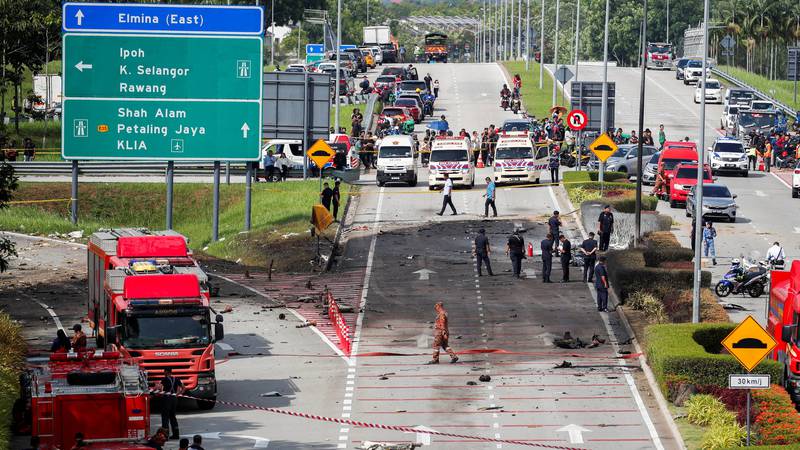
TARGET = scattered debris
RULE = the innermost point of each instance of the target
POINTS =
(310, 323)
(309, 286)
(489, 408)
(596, 341)
(75, 234)
(564, 365)
(628, 341)
(569, 342)
(471, 383)
(282, 316)
(383, 378)
(733, 306)
(485, 378)
(271, 394)
(228, 309)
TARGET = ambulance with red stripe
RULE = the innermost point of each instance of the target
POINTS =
(453, 156)
(517, 159)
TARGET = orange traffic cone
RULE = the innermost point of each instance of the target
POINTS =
(530, 249)
(480, 161)
(761, 164)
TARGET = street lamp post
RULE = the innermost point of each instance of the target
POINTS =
(604, 102)
(577, 37)
(528, 35)
(555, 56)
(639, 157)
(338, 62)
(519, 29)
(272, 37)
(511, 31)
(541, 50)
(698, 191)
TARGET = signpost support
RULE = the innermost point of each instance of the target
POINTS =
(170, 176)
(638, 226)
(215, 213)
(748, 417)
(74, 195)
(227, 172)
(248, 197)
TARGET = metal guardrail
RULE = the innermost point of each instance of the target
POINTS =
(54, 168)
(369, 112)
(785, 108)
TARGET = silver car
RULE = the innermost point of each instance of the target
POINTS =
(650, 170)
(624, 159)
(718, 202)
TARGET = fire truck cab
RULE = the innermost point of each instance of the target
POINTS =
(659, 55)
(149, 298)
(784, 325)
(99, 394)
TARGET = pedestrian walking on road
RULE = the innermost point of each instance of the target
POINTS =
(436, 88)
(515, 249)
(326, 196)
(447, 192)
(547, 257)
(553, 164)
(481, 252)
(709, 234)
(337, 195)
(752, 159)
(428, 79)
(605, 226)
(601, 284)
(441, 335)
(566, 257)
(589, 250)
(172, 387)
(490, 196)
(554, 224)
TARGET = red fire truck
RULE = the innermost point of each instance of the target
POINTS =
(659, 55)
(98, 393)
(784, 324)
(150, 299)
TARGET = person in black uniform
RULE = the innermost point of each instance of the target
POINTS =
(554, 223)
(481, 252)
(337, 195)
(326, 196)
(605, 226)
(516, 250)
(601, 284)
(170, 385)
(547, 258)
(589, 250)
(566, 257)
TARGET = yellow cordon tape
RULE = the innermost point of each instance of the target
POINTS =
(23, 202)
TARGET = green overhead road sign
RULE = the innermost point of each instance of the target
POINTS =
(131, 66)
(161, 130)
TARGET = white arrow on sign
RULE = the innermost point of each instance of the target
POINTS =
(424, 274)
(245, 128)
(79, 16)
(575, 433)
(80, 66)
(422, 435)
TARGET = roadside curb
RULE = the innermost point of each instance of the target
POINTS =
(648, 373)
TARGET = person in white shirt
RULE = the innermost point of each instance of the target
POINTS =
(447, 191)
(775, 253)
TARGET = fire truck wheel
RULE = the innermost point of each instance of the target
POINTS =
(207, 404)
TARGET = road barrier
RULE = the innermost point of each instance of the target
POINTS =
(339, 324)
(356, 423)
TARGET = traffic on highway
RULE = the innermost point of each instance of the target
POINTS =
(435, 231)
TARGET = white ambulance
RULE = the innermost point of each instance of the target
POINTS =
(517, 160)
(397, 161)
(453, 156)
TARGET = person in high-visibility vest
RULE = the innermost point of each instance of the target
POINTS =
(767, 155)
(752, 158)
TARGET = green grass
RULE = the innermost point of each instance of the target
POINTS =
(283, 207)
(784, 90)
(11, 363)
(46, 137)
(536, 101)
(692, 434)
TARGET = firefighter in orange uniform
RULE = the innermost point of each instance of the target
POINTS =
(441, 334)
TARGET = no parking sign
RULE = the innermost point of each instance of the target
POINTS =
(577, 120)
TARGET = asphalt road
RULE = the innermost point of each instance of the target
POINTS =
(765, 203)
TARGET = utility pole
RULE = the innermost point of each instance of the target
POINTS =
(604, 102)
(577, 36)
(639, 158)
(667, 22)
(541, 50)
(338, 61)
(528, 35)
(519, 29)
(504, 53)
(555, 56)
(367, 13)
(698, 192)
(272, 37)
(496, 46)
(483, 34)
(511, 31)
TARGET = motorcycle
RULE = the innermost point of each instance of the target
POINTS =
(741, 279)
(515, 105)
(504, 102)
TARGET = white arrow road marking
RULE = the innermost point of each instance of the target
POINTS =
(422, 436)
(797, 230)
(245, 128)
(208, 435)
(424, 274)
(529, 273)
(79, 16)
(760, 194)
(575, 433)
(259, 442)
(80, 66)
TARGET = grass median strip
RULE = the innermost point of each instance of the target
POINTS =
(784, 90)
(278, 210)
(534, 100)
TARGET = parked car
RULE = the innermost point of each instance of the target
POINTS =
(625, 159)
(762, 105)
(399, 73)
(367, 54)
(411, 105)
(718, 202)
(728, 120)
(385, 82)
(295, 68)
(412, 86)
(347, 61)
(680, 64)
(358, 59)
(728, 155)
(796, 181)
(685, 177)
(650, 169)
(346, 84)
(693, 71)
(713, 91)
(378, 54)
(516, 125)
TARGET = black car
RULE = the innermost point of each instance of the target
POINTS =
(680, 65)
(361, 63)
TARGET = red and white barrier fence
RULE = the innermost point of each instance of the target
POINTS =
(339, 324)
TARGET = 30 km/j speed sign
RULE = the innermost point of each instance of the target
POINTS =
(577, 120)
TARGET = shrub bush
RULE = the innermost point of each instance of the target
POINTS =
(627, 203)
(777, 421)
(655, 256)
(690, 352)
(660, 239)
(11, 363)
(723, 435)
(578, 194)
(704, 410)
(628, 273)
(678, 306)
(648, 304)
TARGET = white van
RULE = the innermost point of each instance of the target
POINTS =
(396, 160)
(516, 159)
(453, 156)
(292, 148)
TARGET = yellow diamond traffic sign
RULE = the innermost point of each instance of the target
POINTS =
(749, 343)
(603, 147)
(320, 152)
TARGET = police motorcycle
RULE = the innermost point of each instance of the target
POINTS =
(748, 278)
(516, 104)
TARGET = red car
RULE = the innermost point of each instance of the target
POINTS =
(411, 105)
(684, 178)
(397, 112)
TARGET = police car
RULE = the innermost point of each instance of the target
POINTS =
(728, 155)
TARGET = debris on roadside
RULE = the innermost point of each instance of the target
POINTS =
(227, 309)
(310, 323)
(471, 383)
(485, 378)
(563, 365)
(490, 408)
(271, 394)
(282, 316)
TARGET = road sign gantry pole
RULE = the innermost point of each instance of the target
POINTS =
(604, 101)
(639, 158)
(698, 194)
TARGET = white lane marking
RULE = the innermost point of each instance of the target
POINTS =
(797, 230)
(785, 183)
(344, 433)
(49, 310)
(628, 378)
(760, 194)
(686, 107)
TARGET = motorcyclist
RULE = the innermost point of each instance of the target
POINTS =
(364, 85)
(427, 102)
(505, 92)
